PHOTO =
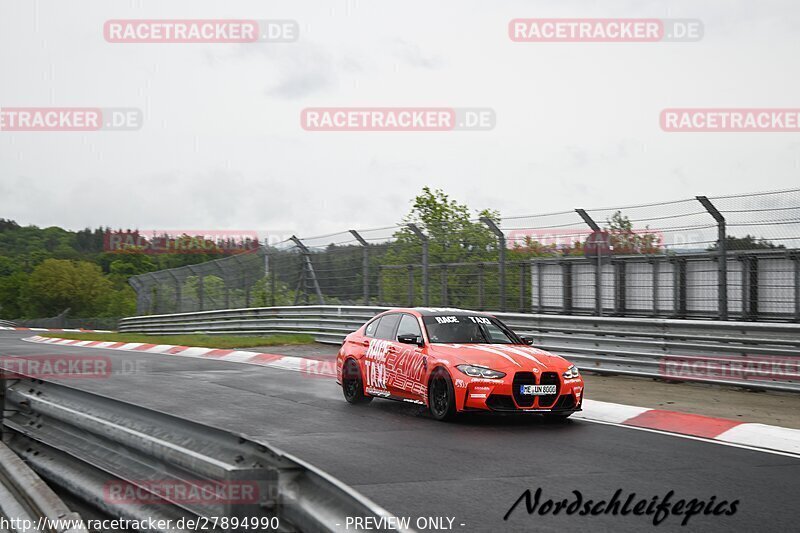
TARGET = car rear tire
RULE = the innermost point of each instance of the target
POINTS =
(441, 396)
(352, 385)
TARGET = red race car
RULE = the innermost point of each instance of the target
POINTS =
(455, 361)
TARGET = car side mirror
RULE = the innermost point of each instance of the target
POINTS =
(410, 339)
(527, 339)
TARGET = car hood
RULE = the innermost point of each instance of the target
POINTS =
(502, 357)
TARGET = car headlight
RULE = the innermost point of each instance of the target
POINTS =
(481, 372)
(571, 372)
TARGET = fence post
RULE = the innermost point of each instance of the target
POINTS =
(722, 257)
(411, 285)
(178, 296)
(656, 282)
(501, 239)
(308, 268)
(480, 287)
(522, 284)
(201, 291)
(566, 287)
(680, 273)
(364, 264)
(444, 284)
(539, 292)
(796, 261)
(380, 284)
(598, 269)
(620, 282)
(424, 239)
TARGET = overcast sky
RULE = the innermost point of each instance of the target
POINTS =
(222, 147)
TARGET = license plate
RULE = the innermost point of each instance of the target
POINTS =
(537, 390)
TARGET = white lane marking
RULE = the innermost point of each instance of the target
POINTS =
(763, 436)
(693, 437)
(160, 348)
(238, 357)
(131, 346)
(614, 413)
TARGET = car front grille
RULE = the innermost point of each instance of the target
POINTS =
(549, 378)
(523, 378)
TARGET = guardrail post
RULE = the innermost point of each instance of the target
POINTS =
(425, 279)
(308, 268)
(501, 241)
(722, 257)
(598, 269)
(364, 264)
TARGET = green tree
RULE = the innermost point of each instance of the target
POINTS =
(454, 236)
(58, 284)
(748, 242)
(626, 240)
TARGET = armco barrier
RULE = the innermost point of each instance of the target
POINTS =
(27, 501)
(747, 354)
(136, 463)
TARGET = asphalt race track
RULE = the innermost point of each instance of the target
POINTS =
(471, 470)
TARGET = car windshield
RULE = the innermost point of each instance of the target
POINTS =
(467, 329)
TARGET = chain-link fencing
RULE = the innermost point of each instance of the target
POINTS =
(725, 257)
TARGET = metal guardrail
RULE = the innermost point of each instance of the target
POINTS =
(90, 446)
(7, 324)
(27, 503)
(746, 354)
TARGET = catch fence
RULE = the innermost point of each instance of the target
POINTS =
(724, 257)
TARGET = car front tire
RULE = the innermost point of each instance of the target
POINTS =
(441, 396)
(352, 385)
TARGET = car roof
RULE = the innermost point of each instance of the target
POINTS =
(438, 311)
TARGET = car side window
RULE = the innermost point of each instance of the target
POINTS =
(409, 326)
(369, 331)
(385, 329)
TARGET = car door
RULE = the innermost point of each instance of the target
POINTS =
(408, 364)
(380, 350)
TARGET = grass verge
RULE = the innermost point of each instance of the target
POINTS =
(203, 341)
